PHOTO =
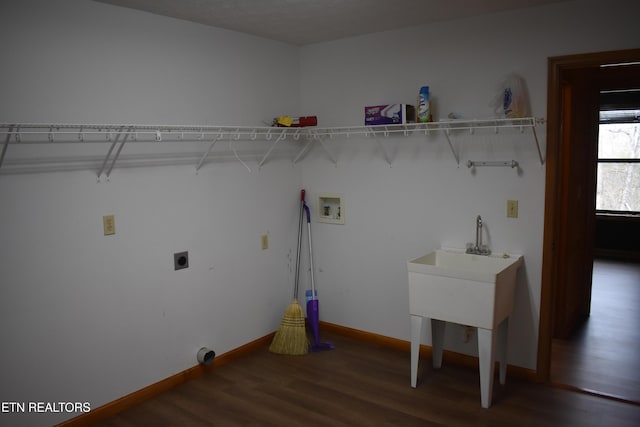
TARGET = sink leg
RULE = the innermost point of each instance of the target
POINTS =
(503, 329)
(437, 342)
(416, 332)
(486, 356)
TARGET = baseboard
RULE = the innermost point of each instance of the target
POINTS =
(425, 351)
(112, 408)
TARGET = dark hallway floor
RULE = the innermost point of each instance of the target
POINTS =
(604, 355)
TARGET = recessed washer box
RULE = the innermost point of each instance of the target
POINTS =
(330, 208)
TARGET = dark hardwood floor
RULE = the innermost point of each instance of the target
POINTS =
(362, 384)
(604, 355)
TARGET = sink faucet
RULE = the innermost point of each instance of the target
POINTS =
(479, 248)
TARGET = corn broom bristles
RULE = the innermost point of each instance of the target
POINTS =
(291, 336)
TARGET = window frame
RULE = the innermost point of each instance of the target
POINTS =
(618, 101)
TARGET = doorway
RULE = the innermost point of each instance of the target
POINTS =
(601, 357)
(574, 85)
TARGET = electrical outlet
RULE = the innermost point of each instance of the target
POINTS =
(264, 241)
(109, 225)
(512, 209)
(180, 260)
(468, 333)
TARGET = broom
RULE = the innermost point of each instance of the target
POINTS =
(291, 336)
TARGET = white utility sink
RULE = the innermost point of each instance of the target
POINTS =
(448, 285)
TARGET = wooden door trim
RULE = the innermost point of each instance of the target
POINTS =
(556, 68)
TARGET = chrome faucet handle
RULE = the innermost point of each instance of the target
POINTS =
(478, 234)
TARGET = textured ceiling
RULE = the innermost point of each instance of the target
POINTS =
(303, 22)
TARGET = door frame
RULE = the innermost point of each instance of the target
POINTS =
(557, 68)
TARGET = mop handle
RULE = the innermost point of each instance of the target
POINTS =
(300, 216)
(313, 286)
(306, 209)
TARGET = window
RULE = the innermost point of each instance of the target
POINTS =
(618, 175)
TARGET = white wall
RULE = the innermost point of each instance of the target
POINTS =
(423, 200)
(81, 61)
(90, 318)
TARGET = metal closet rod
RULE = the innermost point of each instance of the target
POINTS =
(509, 163)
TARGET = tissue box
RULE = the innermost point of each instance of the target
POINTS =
(390, 114)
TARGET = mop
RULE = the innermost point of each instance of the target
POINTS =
(313, 314)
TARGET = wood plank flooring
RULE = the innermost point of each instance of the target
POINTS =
(604, 355)
(362, 384)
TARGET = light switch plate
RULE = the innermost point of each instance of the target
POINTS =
(512, 209)
(109, 225)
